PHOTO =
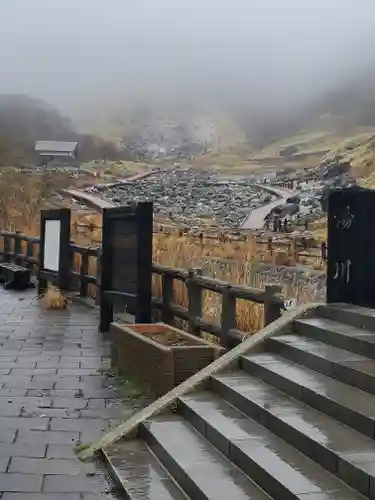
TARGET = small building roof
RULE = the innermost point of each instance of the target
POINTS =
(55, 147)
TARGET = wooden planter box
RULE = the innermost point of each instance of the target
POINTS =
(158, 354)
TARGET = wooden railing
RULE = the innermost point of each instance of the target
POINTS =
(24, 250)
(196, 284)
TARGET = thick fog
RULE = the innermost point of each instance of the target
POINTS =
(261, 54)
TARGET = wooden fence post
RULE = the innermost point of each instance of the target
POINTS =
(17, 248)
(30, 254)
(269, 245)
(83, 271)
(271, 310)
(7, 249)
(228, 315)
(98, 275)
(195, 301)
(167, 298)
(324, 250)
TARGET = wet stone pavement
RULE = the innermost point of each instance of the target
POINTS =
(54, 394)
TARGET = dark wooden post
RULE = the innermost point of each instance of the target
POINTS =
(167, 297)
(7, 249)
(106, 306)
(83, 271)
(228, 315)
(324, 250)
(295, 251)
(98, 275)
(195, 301)
(269, 245)
(271, 310)
(17, 248)
(30, 254)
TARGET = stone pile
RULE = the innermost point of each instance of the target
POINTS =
(193, 197)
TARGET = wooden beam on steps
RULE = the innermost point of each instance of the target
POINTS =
(129, 427)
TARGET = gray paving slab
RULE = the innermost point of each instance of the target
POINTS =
(53, 394)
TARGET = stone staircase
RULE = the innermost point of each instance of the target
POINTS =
(295, 420)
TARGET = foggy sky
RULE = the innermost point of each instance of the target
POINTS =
(266, 52)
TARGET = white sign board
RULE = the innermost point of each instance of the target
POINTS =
(52, 245)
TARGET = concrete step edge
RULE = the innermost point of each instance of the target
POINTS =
(349, 375)
(351, 417)
(332, 461)
(277, 487)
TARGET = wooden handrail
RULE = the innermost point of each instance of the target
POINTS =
(195, 282)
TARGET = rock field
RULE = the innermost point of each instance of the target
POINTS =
(191, 196)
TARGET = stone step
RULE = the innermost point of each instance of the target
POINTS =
(199, 468)
(346, 404)
(360, 317)
(345, 366)
(340, 450)
(339, 335)
(138, 474)
(278, 468)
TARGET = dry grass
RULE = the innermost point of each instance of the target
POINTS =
(186, 252)
(53, 299)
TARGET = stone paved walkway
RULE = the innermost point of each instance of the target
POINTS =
(53, 394)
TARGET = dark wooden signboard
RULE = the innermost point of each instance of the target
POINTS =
(55, 239)
(351, 244)
(127, 262)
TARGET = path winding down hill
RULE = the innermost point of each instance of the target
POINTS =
(255, 219)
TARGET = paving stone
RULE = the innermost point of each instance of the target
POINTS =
(7, 365)
(60, 451)
(7, 436)
(76, 372)
(28, 402)
(79, 425)
(23, 423)
(42, 382)
(9, 409)
(50, 370)
(81, 484)
(24, 363)
(90, 435)
(70, 403)
(48, 437)
(16, 382)
(21, 482)
(50, 412)
(69, 383)
(96, 403)
(13, 392)
(41, 496)
(33, 371)
(104, 413)
(4, 462)
(50, 393)
(91, 363)
(58, 364)
(44, 466)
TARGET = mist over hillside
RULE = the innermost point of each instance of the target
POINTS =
(255, 69)
(25, 120)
